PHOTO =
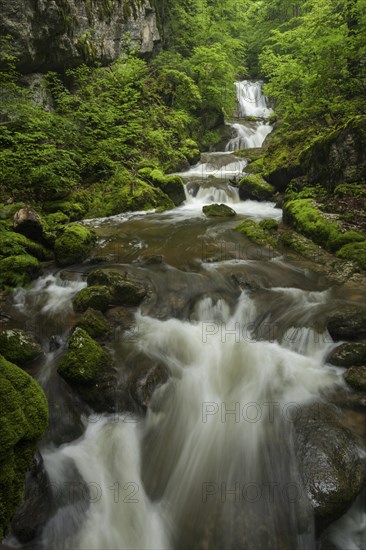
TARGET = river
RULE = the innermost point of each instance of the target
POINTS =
(240, 329)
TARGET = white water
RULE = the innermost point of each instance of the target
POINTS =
(248, 137)
(251, 101)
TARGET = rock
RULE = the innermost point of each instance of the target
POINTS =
(125, 288)
(348, 323)
(356, 377)
(331, 460)
(15, 244)
(218, 210)
(17, 346)
(18, 270)
(348, 355)
(38, 504)
(142, 383)
(95, 324)
(55, 342)
(255, 188)
(87, 367)
(28, 222)
(173, 186)
(74, 244)
(56, 36)
(23, 421)
(96, 297)
(257, 233)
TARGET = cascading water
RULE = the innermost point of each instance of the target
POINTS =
(213, 463)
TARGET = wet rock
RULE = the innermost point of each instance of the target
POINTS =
(153, 259)
(38, 503)
(356, 377)
(19, 347)
(348, 355)
(142, 383)
(19, 270)
(218, 210)
(23, 421)
(173, 186)
(55, 343)
(28, 222)
(257, 233)
(95, 324)
(332, 461)
(74, 244)
(348, 323)
(125, 288)
(255, 188)
(96, 297)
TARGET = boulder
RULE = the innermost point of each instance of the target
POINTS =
(348, 355)
(172, 186)
(258, 233)
(95, 297)
(125, 288)
(19, 270)
(255, 188)
(348, 323)
(74, 244)
(332, 461)
(17, 346)
(356, 377)
(23, 421)
(95, 324)
(142, 383)
(28, 222)
(218, 210)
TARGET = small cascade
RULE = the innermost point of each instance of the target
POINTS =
(251, 101)
(247, 137)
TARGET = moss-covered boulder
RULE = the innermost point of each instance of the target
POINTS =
(74, 244)
(173, 186)
(15, 244)
(95, 297)
(56, 221)
(18, 346)
(255, 167)
(348, 355)
(356, 377)
(95, 324)
(305, 217)
(218, 211)
(348, 323)
(23, 421)
(87, 367)
(255, 188)
(18, 270)
(355, 252)
(301, 245)
(125, 288)
(257, 233)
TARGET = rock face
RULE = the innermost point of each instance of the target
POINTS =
(332, 461)
(57, 34)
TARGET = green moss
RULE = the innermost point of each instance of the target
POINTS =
(350, 189)
(301, 245)
(255, 167)
(173, 186)
(355, 252)
(218, 211)
(346, 238)
(95, 324)
(14, 244)
(251, 154)
(74, 244)
(268, 225)
(255, 188)
(23, 420)
(256, 233)
(96, 297)
(84, 361)
(18, 270)
(300, 189)
(72, 209)
(125, 290)
(18, 346)
(56, 221)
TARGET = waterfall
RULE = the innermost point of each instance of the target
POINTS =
(251, 101)
(248, 137)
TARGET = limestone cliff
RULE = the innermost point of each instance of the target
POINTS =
(57, 34)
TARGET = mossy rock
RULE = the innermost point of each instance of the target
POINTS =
(17, 346)
(56, 221)
(255, 188)
(18, 270)
(301, 245)
(96, 297)
(73, 210)
(173, 186)
(255, 167)
(349, 237)
(74, 244)
(125, 289)
(356, 377)
(85, 361)
(256, 233)
(23, 421)
(95, 324)
(349, 355)
(269, 224)
(355, 252)
(14, 244)
(252, 154)
(218, 211)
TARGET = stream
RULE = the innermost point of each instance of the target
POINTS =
(241, 331)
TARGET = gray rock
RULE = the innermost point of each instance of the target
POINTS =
(348, 323)
(356, 377)
(348, 355)
(27, 222)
